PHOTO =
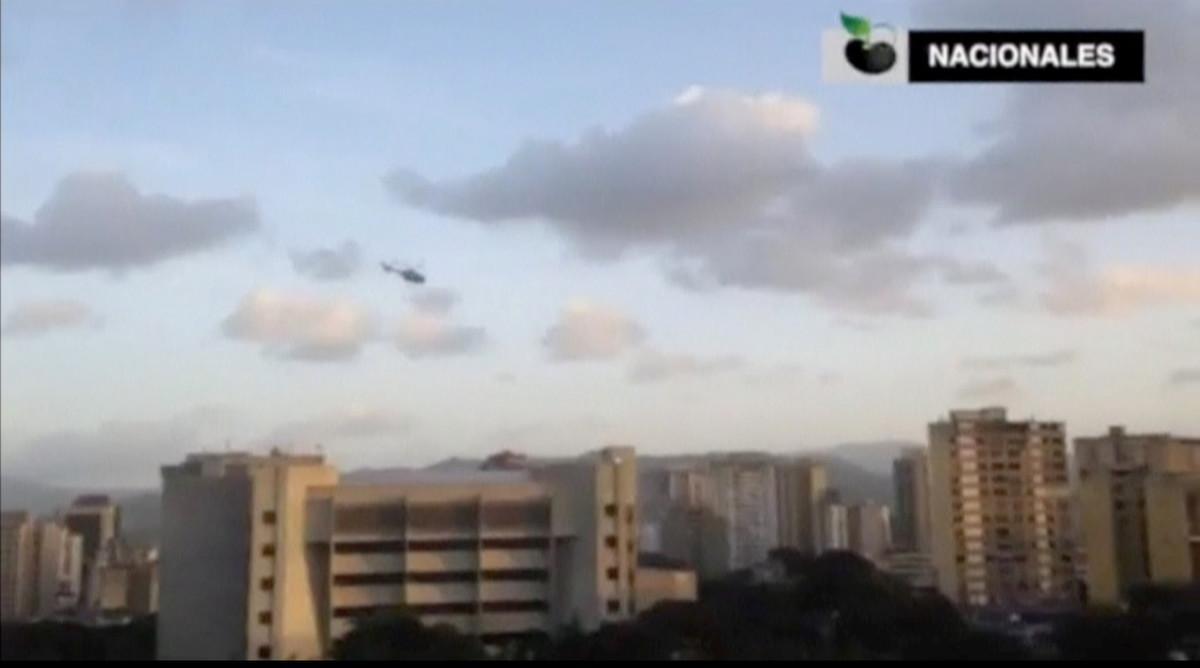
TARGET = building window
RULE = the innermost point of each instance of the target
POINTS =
(264, 617)
(268, 550)
(614, 605)
(264, 651)
(612, 574)
(268, 517)
(610, 510)
(611, 541)
(629, 514)
(267, 584)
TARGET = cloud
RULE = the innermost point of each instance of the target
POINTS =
(1082, 152)
(1121, 290)
(42, 317)
(587, 331)
(984, 388)
(435, 300)
(960, 272)
(428, 332)
(1182, 377)
(721, 182)
(356, 423)
(128, 452)
(1035, 360)
(100, 221)
(300, 327)
(328, 264)
(1074, 287)
(654, 366)
(423, 334)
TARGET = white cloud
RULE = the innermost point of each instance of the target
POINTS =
(354, 423)
(100, 221)
(428, 332)
(300, 327)
(587, 330)
(42, 317)
(424, 334)
(328, 264)
(653, 366)
(1121, 290)
(723, 184)
(1087, 153)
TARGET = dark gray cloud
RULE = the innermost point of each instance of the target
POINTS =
(653, 366)
(42, 317)
(100, 221)
(435, 300)
(724, 184)
(988, 388)
(1181, 377)
(1085, 152)
(1053, 358)
(964, 272)
(329, 264)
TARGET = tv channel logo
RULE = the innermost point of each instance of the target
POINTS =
(863, 51)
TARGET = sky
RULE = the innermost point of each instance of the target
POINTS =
(648, 223)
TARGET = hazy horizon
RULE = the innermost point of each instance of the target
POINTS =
(662, 231)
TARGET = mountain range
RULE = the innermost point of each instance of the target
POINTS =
(860, 471)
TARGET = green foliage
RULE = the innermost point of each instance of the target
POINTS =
(400, 636)
(857, 26)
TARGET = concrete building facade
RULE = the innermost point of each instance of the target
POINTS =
(282, 559)
(910, 521)
(800, 490)
(868, 529)
(1000, 510)
(1139, 503)
(41, 567)
(744, 496)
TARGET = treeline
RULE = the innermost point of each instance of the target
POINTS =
(71, 641)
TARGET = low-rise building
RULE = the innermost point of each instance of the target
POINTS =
(268, 557)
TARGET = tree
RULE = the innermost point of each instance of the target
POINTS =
(400, 636)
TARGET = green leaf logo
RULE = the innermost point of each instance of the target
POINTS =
(857, 26)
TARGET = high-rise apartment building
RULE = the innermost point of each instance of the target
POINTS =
(910, 521)
(17, 565)
(868, 529)
(1000, 509)
(271, 557)
(744, 497)
(40, 567)
(96, 519)
(800, 490)
(1139, 503)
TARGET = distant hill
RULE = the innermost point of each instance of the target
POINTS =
(141, 511)
(875, 457)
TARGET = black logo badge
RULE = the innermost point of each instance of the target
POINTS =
(863, 54)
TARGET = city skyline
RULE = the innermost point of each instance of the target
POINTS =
(666, 232)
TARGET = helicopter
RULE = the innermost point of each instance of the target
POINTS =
(409, 274)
